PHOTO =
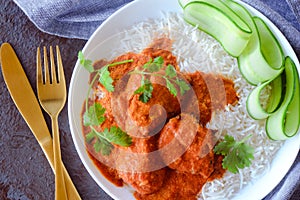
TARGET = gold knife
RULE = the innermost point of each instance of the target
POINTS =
(26, 102)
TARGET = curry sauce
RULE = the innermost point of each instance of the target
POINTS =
(171, 155)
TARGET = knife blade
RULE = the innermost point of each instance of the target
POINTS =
(26, 102)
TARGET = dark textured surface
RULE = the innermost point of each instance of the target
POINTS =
(24, 170)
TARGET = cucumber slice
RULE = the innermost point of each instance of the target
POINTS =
(263, 58)
(219, 21)
(269, 44)
(253, 104)
(183, 3)
(284, 123)
(276, 97)
(224, 8)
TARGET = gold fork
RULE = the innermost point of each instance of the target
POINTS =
(52, 94)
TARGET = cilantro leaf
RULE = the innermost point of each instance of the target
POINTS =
(145, 91)
(117, 136)
(230, 162)
(146, 65)
(170, 71)
(245, 154)
(170, 75)
(94, 115)
(153, 67)
(105, 79)
(183, 86)
(100, 145)
(104, 140)
(90, 136)
(225, 146)
(158, 60)
(103, 146)
(87, 64)
(171, 88)
(237, 154)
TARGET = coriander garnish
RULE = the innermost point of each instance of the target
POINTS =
(103, 73)
(87, 64)
(94, 114)
(152, 67)
(237, 154)
(104, 139)
(145, 90)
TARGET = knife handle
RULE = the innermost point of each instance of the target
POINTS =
(47, 147)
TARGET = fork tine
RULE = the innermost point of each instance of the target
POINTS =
(53, 70)
(46, 67)
(61, 76)
(39, 75)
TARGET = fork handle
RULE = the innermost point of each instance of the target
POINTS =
(60, 188)
(47, 147)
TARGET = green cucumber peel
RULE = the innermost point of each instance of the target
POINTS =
(253, 104)
(219, 21)
(284, 123)
(262, 59)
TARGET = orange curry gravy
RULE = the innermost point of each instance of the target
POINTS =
(181, 178)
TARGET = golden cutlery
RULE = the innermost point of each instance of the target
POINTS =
(52, 94)
(26, 102)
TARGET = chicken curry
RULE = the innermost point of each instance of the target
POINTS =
(171, 152)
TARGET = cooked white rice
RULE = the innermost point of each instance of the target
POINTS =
(198, 51)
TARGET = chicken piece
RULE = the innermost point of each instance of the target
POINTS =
(219, 171)
(177, 186)
(144, 182)
(141, 119)
(132, 164)
(195, 143)
(117, 72)
(151, 116)
(213, 93)
(108, 171)
(138, 167)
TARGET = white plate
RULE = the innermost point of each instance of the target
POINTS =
(130, 14)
